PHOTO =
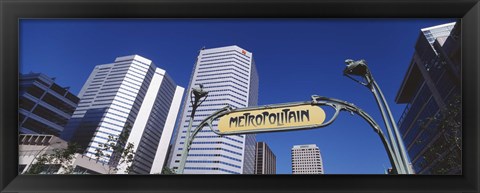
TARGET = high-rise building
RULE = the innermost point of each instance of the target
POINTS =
(431, 122)
(265, 159)
(306, 159)
(229, 75)
(44, 106)
(130, 96)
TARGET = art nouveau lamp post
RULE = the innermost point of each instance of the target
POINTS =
(360, 68)
(196, 96)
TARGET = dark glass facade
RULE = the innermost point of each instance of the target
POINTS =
(431, 122)
(44, 106)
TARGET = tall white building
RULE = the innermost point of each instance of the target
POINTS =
(129, 93)
(306, 159)
(229, 75)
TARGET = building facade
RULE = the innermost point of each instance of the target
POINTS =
(32, 146)
(431, 122)
(44, 106)
(229, 75)
(306, 159)
(133, 97)
(265, 159)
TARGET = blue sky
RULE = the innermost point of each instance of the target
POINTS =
(295, 58)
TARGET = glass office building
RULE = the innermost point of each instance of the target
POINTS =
(431, 122)
(229, 75)
(44, 106)
(130, 96)
(439, 32)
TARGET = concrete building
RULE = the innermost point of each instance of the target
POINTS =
(432, 89)
(306, 159)
(44, 106)
(229, 75)
(265, 159)
(130, 96)
(32, 146)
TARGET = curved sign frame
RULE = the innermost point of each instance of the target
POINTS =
(316, 102)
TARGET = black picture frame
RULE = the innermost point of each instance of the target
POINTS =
(11, 11)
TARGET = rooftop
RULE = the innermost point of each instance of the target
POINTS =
(305, 146)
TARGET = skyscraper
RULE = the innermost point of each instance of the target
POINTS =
(306, 159)
(431, 122)
(265, 159)
(229, 75)
(44, 106)
(130, 96)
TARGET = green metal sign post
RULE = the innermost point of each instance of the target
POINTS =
(360, 68)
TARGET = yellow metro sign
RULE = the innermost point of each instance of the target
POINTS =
(278, 118)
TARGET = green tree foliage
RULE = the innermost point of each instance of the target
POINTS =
(62, 159)
(122, 154)
(445, 155)
(58, 160)
(166, 170)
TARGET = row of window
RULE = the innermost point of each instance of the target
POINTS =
(223, 100)
(214, 155)
(222, 78)
(243, 56)
(99, 77)
(225, 85)
(227, 58)
(227, 90)
(224, 64)
(97, 84)
(206, 54)
(215, 136)
(205, 168)
(215, 148)
(306, 168)
(223, 81)
(221, 70)
(215, 142)
(229, 138)
(223, 73)
(216, 104)
(109, 128)
(210, 161)
(306, 164)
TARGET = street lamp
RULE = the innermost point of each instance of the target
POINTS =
(360, 68)
(196, 96)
